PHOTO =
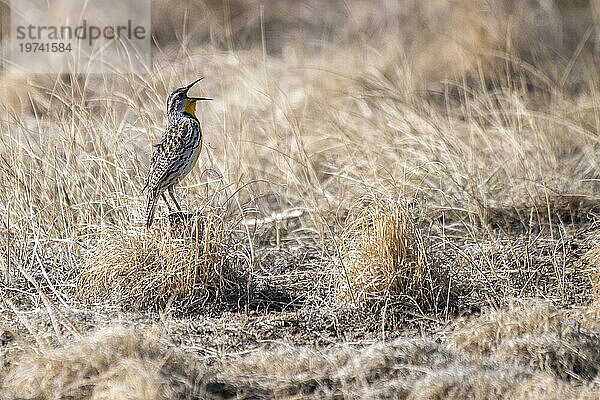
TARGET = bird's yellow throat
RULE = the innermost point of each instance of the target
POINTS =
(190, 107)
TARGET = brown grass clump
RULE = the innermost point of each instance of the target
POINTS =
(482, 335)
(341, 371)
(532, 334)
(542, 386)
(382, 254)
(491, 382)
(113, 363)
(181, 262)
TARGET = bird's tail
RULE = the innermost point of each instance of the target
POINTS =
(152, 200)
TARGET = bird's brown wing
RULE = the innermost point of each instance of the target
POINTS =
(165, 157)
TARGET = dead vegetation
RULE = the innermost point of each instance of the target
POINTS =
(113, 363)
(383, 256)
(526, 350)
(385, 194)
(535, 335)
(182, 263)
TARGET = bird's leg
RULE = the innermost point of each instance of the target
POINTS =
(168, 205)
(172, 194)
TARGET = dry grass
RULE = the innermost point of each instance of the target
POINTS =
(382, 255)
(592, 259)
(472, 124)
(535, 335)
(182, 262)
(477, 361)
(481, 358)
(114, 363)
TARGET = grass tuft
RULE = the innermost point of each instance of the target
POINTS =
(112, 363)
(181, 262)
(383, 255)
(533, 334)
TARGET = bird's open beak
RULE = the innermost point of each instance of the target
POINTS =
(188, 87)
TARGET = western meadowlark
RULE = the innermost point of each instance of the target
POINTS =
(176, 154)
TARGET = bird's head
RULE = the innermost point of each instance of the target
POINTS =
(180, 102)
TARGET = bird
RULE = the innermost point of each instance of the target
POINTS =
(178, 151)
